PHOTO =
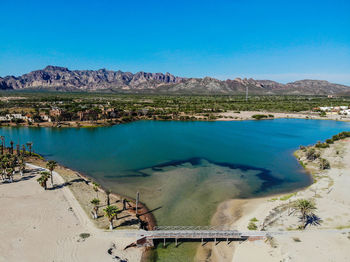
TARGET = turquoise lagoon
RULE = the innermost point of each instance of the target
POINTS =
(183, 170)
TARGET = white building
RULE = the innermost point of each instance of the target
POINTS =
(345, 112)
(333, 108)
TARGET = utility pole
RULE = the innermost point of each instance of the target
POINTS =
(137, 202)
(246, 93)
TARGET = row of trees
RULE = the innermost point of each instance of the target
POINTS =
(11, 160)
(9, 164)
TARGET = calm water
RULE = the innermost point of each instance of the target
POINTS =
(184, 169)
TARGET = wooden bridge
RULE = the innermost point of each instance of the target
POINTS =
(196, 234)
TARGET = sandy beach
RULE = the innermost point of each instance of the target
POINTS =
(247, 115)
(51, 225)
(328, 241)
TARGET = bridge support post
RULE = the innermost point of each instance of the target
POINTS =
(164, 243)
(202, 241)
(215, 241)
(175, 242)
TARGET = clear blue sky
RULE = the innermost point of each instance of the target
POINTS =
(278, 40)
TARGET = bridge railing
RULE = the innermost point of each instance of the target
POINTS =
(191, 228)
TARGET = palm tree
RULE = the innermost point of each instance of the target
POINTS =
(29, 145)
(108, 192)
(95, 202)
(111, 213)
(43, 179)
(2, 144)
(10, 172)
(305, 207)
(51, 165)
(22, 165)
(3, 165)
(11, 148)
(23, 150)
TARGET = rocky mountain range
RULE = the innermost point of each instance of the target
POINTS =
(63, 79)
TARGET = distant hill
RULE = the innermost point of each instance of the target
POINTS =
(63, 79)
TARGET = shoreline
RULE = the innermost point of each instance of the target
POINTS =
(147, 217)
(224, 116)
(59, 213)
(237, 213)
(242, 206)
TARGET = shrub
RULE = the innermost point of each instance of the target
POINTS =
(324, 164)
(311, 154)
(321, 145)
(259, 116)
(252, 226)
(329, 141)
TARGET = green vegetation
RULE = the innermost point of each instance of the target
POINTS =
(259, 116)
(252, 226)
(312, 154)
(51, 165)
(324, 164)
(321, 145)
(95, 203)
(305, 208)
(42, 180)
(126, 107)
(111, 213)
(84, 235)
(286, 197)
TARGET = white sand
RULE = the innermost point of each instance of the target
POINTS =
(328, 242)
(38, 225)
(247, 115)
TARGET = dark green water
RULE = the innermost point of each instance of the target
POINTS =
(185, 169)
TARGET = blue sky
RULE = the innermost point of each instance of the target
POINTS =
(278, 40)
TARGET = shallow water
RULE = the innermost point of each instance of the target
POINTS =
(183, 170)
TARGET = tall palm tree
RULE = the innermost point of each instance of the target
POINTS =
(51, 165)
(108, 192)
(95, 202)
(43, 179)
(4, 165)
(305, 207)
(11, 148)
(111, 213)
(22, 167)
(10, 173)
(2, 144)
(30, 145)
(18, 151)
(23, 150)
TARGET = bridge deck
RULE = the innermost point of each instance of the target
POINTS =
(192, 234)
